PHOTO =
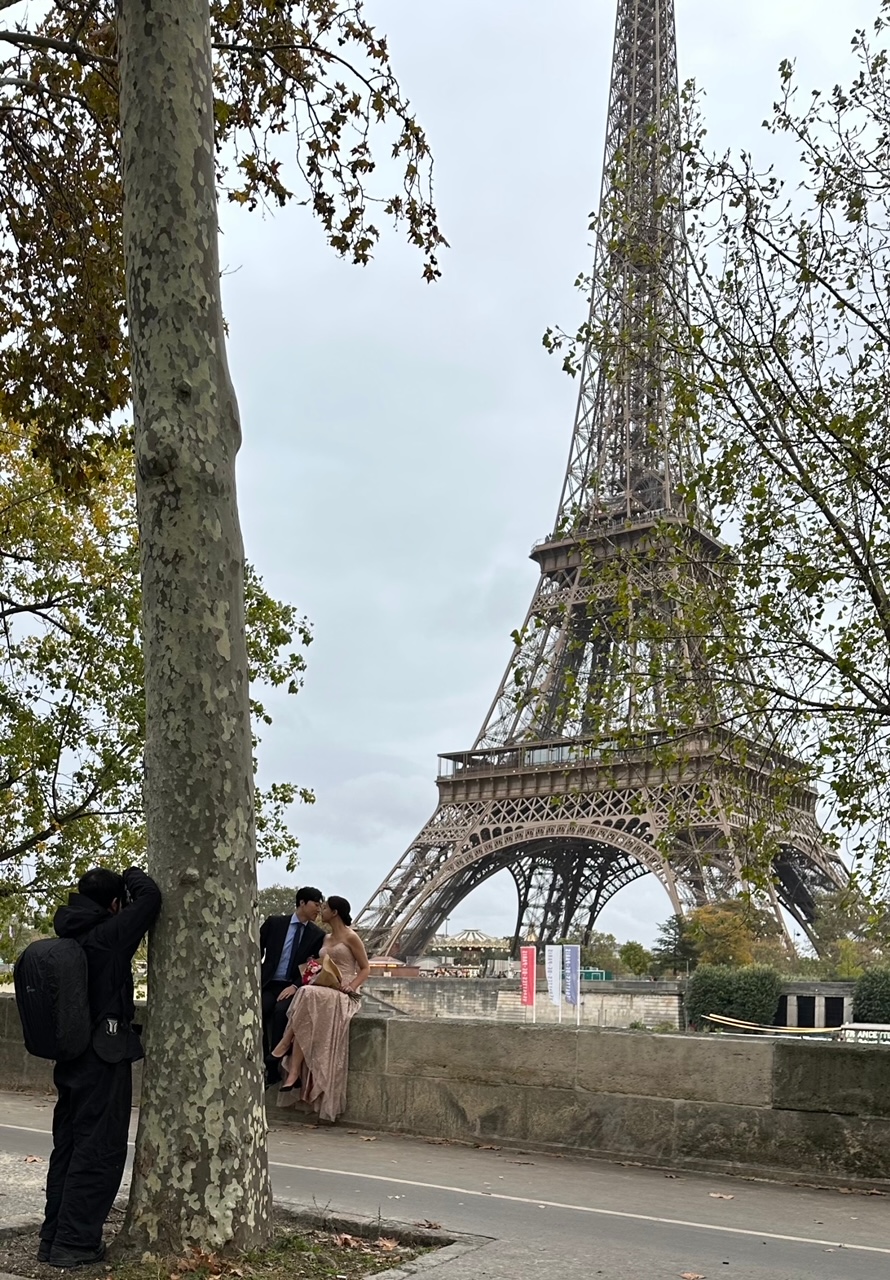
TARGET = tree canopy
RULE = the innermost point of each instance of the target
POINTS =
(635, 959)
(72, 705)
(300, 89)
(675, 950)
(791, 365)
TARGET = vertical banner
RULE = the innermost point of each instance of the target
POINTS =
(572, 966)
(553, 966)
(528, 957)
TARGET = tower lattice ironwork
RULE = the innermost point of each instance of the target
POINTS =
(613, 748)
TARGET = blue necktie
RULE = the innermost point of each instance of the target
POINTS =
(298, 938)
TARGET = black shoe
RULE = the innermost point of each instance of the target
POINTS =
(64, 1257)
(43, 1250)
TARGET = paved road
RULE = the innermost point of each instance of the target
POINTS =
(576, 1218)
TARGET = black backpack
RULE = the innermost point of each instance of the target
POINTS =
(52, 994)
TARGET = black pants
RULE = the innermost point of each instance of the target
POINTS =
(90, 1127)
(274, 1016)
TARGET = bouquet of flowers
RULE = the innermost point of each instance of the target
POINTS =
(325, 973)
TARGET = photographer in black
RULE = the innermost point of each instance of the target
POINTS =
(109, 916)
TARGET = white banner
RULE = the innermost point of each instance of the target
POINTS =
(553, 967)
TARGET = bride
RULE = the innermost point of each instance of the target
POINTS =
(315, 1047)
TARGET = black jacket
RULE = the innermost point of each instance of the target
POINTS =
(110, 940)
(273, 934)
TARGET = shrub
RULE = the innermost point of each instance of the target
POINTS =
(709, 990)
(637, 1026)
(757, 991)
(871, 1001)
(750, 994)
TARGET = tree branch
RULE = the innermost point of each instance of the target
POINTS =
(325, 54)
(26, 40)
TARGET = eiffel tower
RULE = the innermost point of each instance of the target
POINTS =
(610, 751)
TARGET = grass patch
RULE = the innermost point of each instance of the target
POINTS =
(295, 1254)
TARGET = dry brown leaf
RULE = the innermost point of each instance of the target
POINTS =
(33, 1159)
(347, 1242)
(485, 1147)
(387, 1245)
(430, 1226)
(367, 1139)
(720, 1195)
(690, 1275)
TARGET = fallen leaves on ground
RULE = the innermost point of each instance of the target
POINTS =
(691, 1275)
(308, 1254)
(720, 1195)
(33, 1159)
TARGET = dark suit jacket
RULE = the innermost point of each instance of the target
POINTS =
(273, 933)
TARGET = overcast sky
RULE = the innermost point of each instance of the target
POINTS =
(404, 444)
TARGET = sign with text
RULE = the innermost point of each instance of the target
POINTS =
(553, 967)
(528, 957)
(571, 956)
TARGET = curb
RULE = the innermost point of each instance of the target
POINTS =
(448, 1245)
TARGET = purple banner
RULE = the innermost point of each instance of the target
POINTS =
(571, 958)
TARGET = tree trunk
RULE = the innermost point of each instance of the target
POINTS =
(200, 1175)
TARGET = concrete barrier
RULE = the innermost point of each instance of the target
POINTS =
(818, 1113)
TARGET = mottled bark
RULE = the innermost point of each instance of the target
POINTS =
(200, 1172)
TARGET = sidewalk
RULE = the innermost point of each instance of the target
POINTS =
(576, 1218)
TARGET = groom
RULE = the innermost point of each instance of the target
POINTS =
(286, 942)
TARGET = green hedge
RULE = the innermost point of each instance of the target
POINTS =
(750, 994)
(871, 1001)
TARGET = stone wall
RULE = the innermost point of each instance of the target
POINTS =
(18, 1070)
(758, 1107)
(818, 1112)
(603, 1004)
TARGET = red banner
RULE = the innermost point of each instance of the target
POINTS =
(528, 974)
